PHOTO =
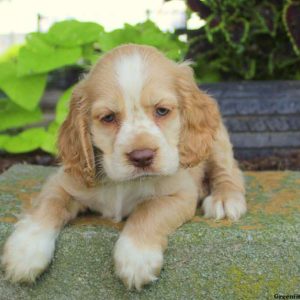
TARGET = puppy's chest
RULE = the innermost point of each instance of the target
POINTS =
(118, 200)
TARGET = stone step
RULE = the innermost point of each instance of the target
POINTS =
(254, 258)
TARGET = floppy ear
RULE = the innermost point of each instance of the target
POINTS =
(74, 140)
(200, 119)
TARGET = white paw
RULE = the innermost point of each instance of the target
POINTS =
(134, 265)
(232, 207)
(28, 251)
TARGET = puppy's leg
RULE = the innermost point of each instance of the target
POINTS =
(30, 248)
(138, 253)
(227, 197)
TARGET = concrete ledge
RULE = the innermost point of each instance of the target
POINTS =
(252, 259)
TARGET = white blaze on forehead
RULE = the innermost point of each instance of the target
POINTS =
(131, 73)
(131, 76)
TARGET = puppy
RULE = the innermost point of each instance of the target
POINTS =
(138, 140)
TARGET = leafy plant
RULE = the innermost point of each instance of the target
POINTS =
(246, 39)
(26, 69)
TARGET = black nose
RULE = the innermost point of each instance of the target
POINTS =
(141, 158)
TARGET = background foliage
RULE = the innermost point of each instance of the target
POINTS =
(25, 71)
(246, 39)
(241, 39)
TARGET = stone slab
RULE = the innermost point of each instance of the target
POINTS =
(255, 258)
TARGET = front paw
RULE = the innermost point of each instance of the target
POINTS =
(232, 206)
(135, 265)
(28, 251)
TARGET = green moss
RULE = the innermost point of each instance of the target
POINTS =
(254, 258)
(259, 286)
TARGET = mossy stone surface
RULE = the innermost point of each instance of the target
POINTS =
(255, 258)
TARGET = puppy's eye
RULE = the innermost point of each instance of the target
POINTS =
(109, 118)
(161, 111)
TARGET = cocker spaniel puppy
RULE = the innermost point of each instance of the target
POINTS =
(138, 141)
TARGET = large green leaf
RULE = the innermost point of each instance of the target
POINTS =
(25, 91)
(11, 53)
(12, 115)
(72, 33)
(50, 141)
(91, 53)
(144, 33)
(62, 106)
(38, 56)
(28, 140)
(3, 140)
(49, 144)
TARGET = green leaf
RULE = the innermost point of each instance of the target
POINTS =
(213, 25)
(207, 73)
(11, 53)
(61, 111)
(91, 53)
(291, 20)
(267, 17)
(3, 140)
(209, 77)
(25, 91)
(62, 106)
(72, 33)
(49, 143)
(146, 33)
(271, 63)
(236, 31)
(29, 140)
(37, 56)
(209, 34)
(53, 127)
(247, 68)
(12, 115)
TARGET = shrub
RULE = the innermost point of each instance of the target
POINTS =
(25, 70)
(246, 39)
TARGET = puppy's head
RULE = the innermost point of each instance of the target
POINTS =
(142, 113)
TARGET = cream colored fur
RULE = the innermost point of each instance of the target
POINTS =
(190, 143)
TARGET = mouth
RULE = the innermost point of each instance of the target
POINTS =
(143, 173)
